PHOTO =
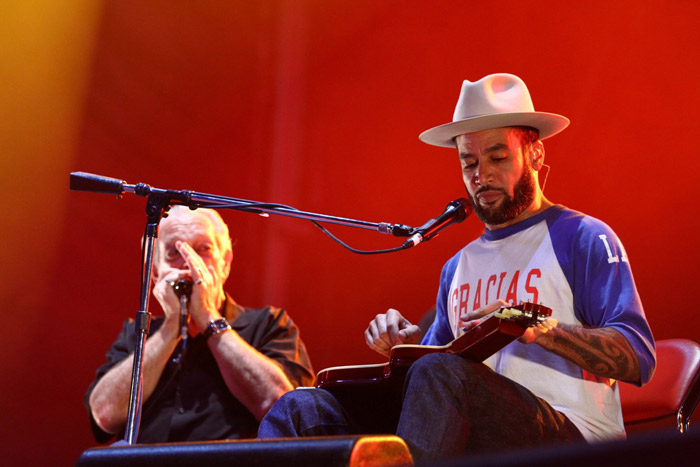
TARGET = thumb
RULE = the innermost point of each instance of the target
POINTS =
(410, 332)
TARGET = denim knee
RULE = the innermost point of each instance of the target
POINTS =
(438, 363)
(297, 398)
(302, 412)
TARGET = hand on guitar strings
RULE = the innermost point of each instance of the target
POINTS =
(389, 329)
(474, 318)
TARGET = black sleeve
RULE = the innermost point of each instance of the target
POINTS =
(276, 336)
(120, 349)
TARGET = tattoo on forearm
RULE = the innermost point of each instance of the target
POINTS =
(604, 351)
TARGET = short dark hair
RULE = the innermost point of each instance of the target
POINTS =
(528, 135)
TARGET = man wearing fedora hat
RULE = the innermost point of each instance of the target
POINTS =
(557, 382)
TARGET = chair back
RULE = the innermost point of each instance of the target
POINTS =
(668, 400)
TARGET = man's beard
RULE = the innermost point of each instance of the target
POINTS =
(510, 207)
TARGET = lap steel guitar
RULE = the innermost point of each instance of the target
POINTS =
(477, 344)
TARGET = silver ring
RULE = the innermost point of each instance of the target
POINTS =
(198, 281)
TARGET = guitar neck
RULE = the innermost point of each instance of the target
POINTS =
(482, 341)
(498, 330)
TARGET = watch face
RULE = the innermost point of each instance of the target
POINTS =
(220, 324)
(216, 327)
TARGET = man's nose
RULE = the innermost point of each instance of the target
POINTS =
(482, 174)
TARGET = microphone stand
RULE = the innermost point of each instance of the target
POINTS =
(155, 208)
(82, 181)
(183, 289)
(159, 201)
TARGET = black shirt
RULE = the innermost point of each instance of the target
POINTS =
(191, 401)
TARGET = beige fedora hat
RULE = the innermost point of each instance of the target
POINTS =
(495, 101)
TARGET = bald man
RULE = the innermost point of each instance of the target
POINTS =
(236, 363)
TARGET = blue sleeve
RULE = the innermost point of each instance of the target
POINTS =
(598, 270)
(440, 332)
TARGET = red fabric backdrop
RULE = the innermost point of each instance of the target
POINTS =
(318, 105)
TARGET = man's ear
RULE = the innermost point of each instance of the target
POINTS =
(154, 273)
(156, 259)
(537, 155)
(228, 258)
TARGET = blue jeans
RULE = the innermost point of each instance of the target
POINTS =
(450, 407)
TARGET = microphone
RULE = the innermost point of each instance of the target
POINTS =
(454, 213)
(83, 181)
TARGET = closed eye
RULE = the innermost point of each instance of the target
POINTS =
(172, 254)
(205, 249)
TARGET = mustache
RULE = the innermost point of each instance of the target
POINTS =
(488, 188)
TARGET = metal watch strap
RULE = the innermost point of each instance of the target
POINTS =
(216, 326)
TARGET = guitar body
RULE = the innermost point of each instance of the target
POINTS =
(477, 344)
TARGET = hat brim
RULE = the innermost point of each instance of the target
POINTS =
(548, 125)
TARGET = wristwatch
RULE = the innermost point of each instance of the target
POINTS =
(216, 326)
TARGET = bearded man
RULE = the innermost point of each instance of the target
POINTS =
(556, 383)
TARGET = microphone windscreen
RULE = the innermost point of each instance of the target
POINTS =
(83, 181)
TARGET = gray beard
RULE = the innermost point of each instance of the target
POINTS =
(511, 207)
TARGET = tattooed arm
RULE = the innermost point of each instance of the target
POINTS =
(603, 351)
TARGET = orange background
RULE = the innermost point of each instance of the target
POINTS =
(316, 105)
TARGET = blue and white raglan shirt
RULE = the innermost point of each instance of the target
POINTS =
(573, 264)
